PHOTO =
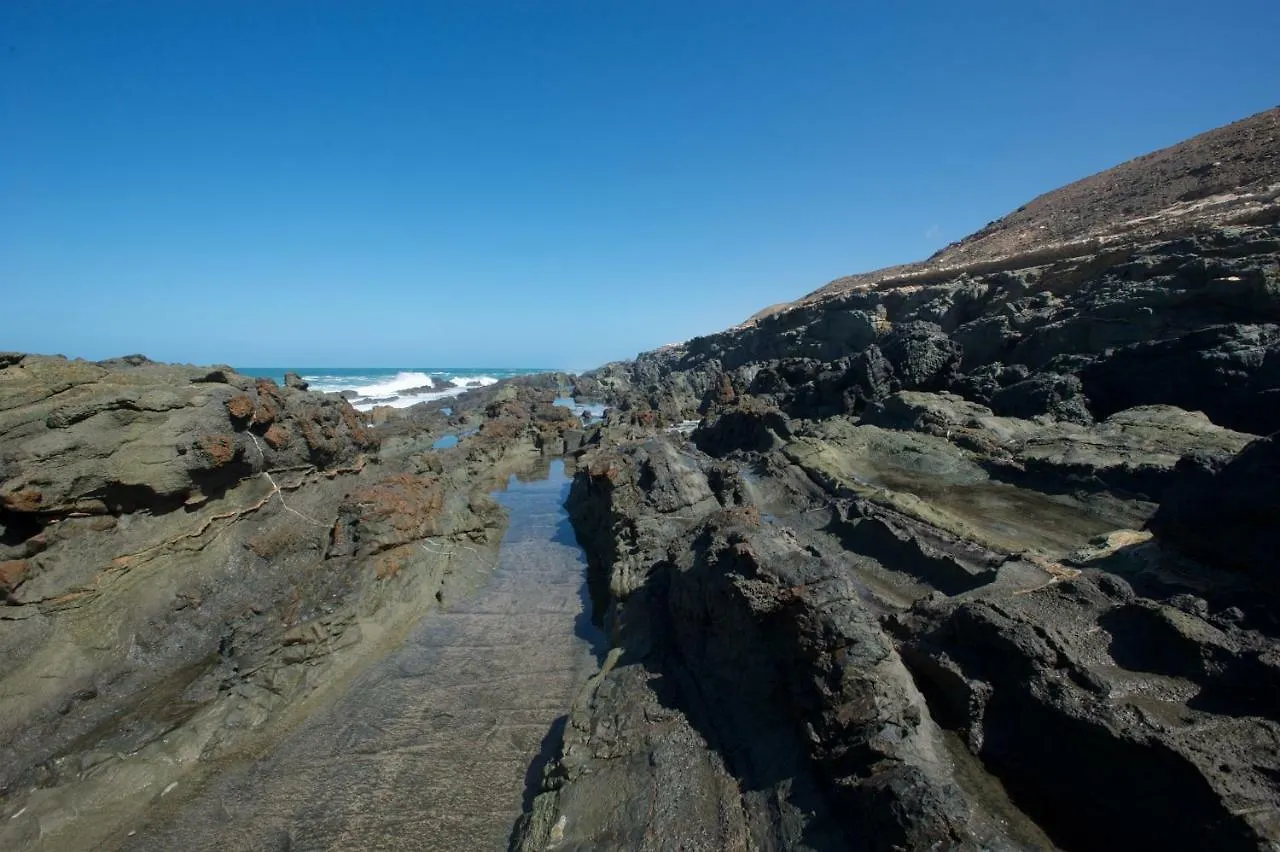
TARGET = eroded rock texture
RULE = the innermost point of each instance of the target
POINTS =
(191, 560)
(974, 554)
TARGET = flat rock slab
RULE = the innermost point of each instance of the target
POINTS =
(430, 748)
(929, 479)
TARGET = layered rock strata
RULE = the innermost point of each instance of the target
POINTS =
(191, 560)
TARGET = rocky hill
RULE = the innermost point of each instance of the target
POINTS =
(1222, 177)
(974, 554)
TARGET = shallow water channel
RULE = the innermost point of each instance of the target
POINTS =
(433, 746)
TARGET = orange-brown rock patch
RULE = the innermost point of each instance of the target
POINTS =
(277, 436)
(240, 407)
(12, 573)
(25, 500)
(397, 510)
(218, 449)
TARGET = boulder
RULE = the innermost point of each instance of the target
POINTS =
(754, 428)
(1058, 396)
(922, 355)
(983, 382)
(1226, 512)
(148, 436)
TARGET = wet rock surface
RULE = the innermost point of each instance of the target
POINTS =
(193, 561)
(429, 747)
(880, 644)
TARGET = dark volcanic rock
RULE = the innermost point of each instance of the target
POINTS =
(1226, 513)
(1133, 452)
(1231, 373)
(844, 386)
(754, 428)
(922, 355)
(777, 671)
(1059, 396)
(1019, 679)
(909, 601)
(983, 383)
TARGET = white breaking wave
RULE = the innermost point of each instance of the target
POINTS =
(401, 382)
(336, 384)
(387, 394)
(474, 381)
(373, 389)
(406, 401)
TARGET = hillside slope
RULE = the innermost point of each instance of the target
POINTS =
(1227, 175)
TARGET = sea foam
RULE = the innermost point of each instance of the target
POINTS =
(400, 382)
(372, 390)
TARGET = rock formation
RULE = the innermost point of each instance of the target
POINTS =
(972, 554)
(189, 557)
(977, 553)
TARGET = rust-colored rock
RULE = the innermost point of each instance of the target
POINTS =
(218, 449)
(387, 565)
(12, 573)
(26, 500)
(277, 436)
(362, 436)
(725, 394)
(269, 405)
(240, 407)
(399, 509)
(605, 467)
(318, 436)
(647, 418)
(507, 408)
(503, 429)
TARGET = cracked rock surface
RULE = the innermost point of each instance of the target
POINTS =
(427, 748)
(979, 553)
(192, 561)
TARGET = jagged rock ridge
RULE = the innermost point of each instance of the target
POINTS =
(976, 554)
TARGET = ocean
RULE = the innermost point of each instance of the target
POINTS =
(399, 387)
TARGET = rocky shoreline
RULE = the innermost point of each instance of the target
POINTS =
(975, 557)
(193, 560)
(973, 554)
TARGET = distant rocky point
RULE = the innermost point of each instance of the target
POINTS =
(1224, 177)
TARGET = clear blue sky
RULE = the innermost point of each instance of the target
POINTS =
(546, 183)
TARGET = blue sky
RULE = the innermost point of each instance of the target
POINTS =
(546, 183)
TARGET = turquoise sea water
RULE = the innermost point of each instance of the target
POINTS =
(395, 386)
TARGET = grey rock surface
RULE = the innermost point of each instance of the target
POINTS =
(194, 561)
